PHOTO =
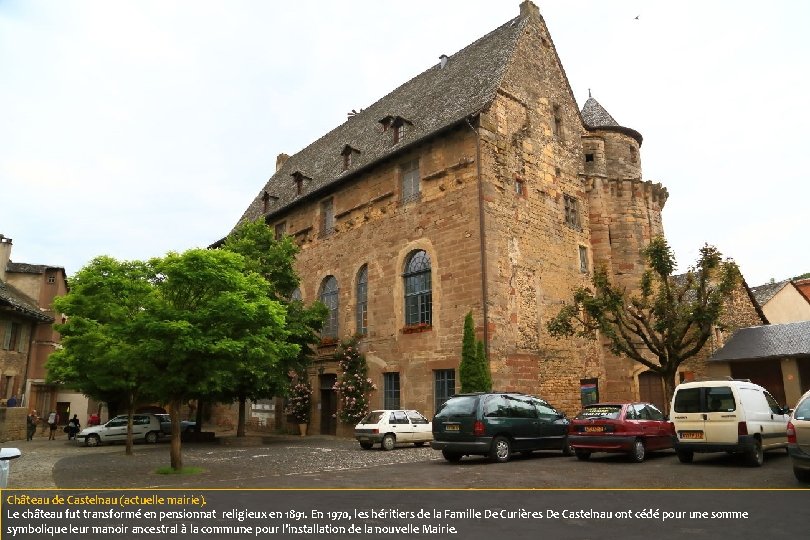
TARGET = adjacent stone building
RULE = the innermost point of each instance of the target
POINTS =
(479, 185)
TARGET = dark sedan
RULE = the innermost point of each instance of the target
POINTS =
(166, 424)
(631, 428)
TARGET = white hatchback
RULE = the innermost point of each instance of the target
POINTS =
(391, 426)
(145, 427)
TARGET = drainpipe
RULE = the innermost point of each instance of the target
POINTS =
(482, 236)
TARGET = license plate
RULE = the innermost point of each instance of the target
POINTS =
(594, 429)
(451, 427)
(691, 434)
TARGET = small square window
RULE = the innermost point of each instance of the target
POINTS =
(588, 157)
(280, 230)
(520, 188)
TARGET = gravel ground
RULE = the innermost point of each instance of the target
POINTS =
(272, 461)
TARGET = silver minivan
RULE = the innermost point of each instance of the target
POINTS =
(732, 415)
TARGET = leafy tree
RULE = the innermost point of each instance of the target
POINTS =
(474, 368)
(99, 355)
(667, 321)
(213, 325)
(274, 258)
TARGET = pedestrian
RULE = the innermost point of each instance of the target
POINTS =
(53, 420)
(73, 427)
(31, 424)
(12, 401)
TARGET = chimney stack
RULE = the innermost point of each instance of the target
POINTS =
(5, 255)
(280, 160)
(529, 9)
(442, 61)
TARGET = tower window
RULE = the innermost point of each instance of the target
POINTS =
(520, 187)
(583, 259)
(558, 122)
(588, 157)
(633, 154)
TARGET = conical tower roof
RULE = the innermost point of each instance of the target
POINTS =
(596, 117)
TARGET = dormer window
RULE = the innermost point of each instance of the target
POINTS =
(398, 127)
(267, 200)
(298, 178)
(349, 154)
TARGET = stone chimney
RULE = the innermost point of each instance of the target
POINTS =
(5, 255)
(528, 9)
(280, 160)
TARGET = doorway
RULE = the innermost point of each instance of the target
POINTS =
(651, 389)
(326, 383)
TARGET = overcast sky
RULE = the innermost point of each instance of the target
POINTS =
(132, 128)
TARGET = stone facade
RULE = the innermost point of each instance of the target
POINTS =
(518, 201)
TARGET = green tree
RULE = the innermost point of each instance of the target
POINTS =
(100, 354)
(213, 325)
(274, 258)
(666, 321)
(474, 368)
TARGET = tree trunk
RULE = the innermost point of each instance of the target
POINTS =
(175, 450)
(240, 426)
(669, 390)
(199, 416)
(130, 412)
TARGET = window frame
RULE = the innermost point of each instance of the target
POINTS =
(361, 292)
(329, 296)
(392, 389)
(442, 379)
(410, 183)
(418, 299)
(327, 217)
(571, 211)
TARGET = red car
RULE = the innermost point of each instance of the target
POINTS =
(631, 428)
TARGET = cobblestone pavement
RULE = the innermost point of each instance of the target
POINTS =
(330, 462)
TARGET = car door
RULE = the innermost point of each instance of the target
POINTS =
(400, 426)
(660, 434)
(776, 430)
(553, 425)
(420, 427)
(114, 430)
(524, 425)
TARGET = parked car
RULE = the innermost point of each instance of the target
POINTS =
(389, 427)
(798, 435)
(7, 454)
(631, 428)
(732, 415)
(145, 427)
(166, 424)
(496, 424)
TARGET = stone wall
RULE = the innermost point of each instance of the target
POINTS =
(12, 423)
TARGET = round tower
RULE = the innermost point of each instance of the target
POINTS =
(625, 211)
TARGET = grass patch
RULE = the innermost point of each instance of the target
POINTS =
(184, 470)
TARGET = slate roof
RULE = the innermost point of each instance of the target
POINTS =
(16, 301)
(26, 268)
(433, 101)
(596, 117)
(791, 340)
(764, 293)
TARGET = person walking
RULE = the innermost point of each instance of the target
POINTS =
(31, 424)
(53, 420)
(73, 427)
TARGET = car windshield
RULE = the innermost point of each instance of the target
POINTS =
(600, 411)
(803, 410)
(458, 406)
(373, 417)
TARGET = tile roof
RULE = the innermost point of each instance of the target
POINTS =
(14, 300)
(437, 99)
(791, 340)
(596, 117)
(764, 293)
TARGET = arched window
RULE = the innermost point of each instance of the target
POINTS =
(362, 300)
(418, 297)
(329, 297)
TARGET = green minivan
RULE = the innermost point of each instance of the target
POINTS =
(497, 424)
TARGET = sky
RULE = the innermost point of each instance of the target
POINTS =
(134, 128)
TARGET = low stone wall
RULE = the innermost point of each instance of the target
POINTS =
(12, 423)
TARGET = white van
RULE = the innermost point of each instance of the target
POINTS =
(732, 415)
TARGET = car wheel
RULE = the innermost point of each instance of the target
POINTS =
(366, 445)
(755, 456)
(685, 456)
(802, 475)
(452, 457)
(582, 455)
(151, 437)
(567, 449)
(388, 442)
(638, 451)
(501, 449)
(92, 440)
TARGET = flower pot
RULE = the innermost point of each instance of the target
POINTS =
(302, 429)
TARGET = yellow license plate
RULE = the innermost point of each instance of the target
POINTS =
(452, 427)
(594, 429)
(691, 434)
